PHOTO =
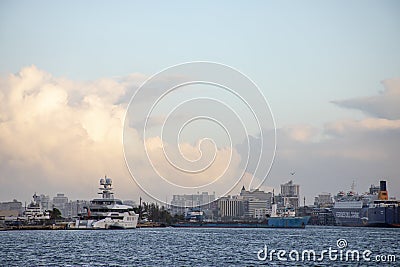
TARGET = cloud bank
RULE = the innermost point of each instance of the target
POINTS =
(384, 105)
(330, 158)
(58, 135)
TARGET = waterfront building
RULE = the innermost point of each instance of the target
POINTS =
(230, 208)
(44, 201)
(60, 202)
(291, 194)
(8, 214)
(260, 214)
(15, 206)
(75, 208)
(181, 203)
(256, 203)
(255, 194)
(257, 209)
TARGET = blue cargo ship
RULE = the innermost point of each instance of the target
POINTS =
(373, 209)
(286, 220)
(272, 222)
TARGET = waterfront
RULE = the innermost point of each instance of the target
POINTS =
(187, 247)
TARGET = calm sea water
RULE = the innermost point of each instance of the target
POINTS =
(192, 247)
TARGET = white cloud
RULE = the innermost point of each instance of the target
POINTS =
(384, 105)
(364, 125)
(177, 169)
(301, 132)
(58, 135)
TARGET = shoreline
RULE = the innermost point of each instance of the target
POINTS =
(64, 226)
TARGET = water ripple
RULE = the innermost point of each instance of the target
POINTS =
(184, 247)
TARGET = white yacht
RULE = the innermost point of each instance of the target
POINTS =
(35, 212)
(107, 212)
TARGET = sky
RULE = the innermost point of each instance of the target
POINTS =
(330, 72)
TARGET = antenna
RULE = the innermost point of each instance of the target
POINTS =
(273, 196)
(353, 186)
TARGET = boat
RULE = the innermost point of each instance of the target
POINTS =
(383, 213)
(34, 211)
(106, 212)
(286, 219)
(351, 209)
(372, 209)
(282, 220)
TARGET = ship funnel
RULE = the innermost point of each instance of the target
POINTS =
(383, 194)
(383, 185)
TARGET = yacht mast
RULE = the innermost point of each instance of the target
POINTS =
(105, 191)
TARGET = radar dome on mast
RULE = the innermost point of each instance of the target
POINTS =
(106, 188)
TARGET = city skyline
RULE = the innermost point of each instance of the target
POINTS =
(210, 196)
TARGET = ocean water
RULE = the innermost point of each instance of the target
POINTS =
(200, 247)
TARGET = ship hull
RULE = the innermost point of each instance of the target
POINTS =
(288, 222)
(275, 222)
(350, 216)
(384, 217)
(128, 222)
(368, 217)
(109, 223)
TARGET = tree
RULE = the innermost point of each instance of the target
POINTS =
(156, 213)
(55, 214)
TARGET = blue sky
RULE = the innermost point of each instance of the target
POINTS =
(298, 53)
(302, 55)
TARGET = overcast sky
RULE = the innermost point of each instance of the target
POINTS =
(330, 71)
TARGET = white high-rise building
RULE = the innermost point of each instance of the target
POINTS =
(291, 194)
(230, 207)
(256, 202)
(60, 202)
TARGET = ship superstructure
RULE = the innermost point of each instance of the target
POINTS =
(35, 212)
(107, 212)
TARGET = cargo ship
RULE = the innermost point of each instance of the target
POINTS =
(299, 222)
(373, 209)
(286, 220)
